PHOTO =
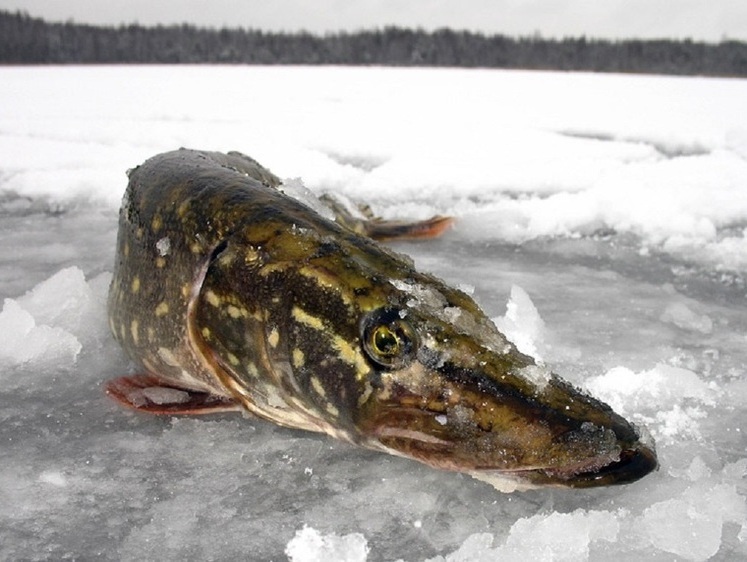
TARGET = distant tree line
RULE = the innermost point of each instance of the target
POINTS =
(27, 40)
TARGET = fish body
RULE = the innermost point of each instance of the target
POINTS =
(232, 295)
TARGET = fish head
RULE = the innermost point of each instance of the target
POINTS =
(415, 368)
(360, 345)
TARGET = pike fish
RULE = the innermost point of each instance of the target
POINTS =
(232, 295)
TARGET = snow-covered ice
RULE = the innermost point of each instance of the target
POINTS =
(602, 222)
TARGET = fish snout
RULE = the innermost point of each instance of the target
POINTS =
(504, 429)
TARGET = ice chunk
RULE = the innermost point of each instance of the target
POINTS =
(65, 300)
(295, 188)
(452, 314)
(26, 341)
(552, 537)
(561, 536)
(539, 375)
(466, 288)
(668, 399)
(52, 322)
(475, 548)
(681, 316)
(700, 513)
(309, 545)
(163, 246)
(61, 300)
(663, 386)
(522, 323)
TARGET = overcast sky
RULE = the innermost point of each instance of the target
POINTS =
(710, 20)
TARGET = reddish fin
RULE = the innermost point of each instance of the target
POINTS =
(150, 394)
(363, 221)
(402, 230)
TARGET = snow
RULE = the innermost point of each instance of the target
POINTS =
(602, 223)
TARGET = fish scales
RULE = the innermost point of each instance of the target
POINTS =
(242, 297)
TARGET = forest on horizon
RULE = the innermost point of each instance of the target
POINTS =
(29, 40)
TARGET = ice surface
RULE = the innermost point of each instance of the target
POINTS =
(602, 220)
(680, 315)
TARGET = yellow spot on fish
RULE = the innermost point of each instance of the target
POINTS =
(366, 394)
(186, 290)
(271, 268)
(160, 262)
(206, 333)
(251, 368)
(317, 386)
(212, 298)
(235, 311)
(298, 358)
(151, 334)
(134, 331)
(135, 284)
(126, 249)
(195, 247)
(309, 320)
(332, 409)
(274, 338)
(182, 209)
(156, 223)
(162, 309)
(349, 354)
(232, 359)
(327, 280)
(168, 357)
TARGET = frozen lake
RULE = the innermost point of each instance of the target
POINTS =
(610, 211)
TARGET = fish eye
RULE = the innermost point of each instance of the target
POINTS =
(388, 339)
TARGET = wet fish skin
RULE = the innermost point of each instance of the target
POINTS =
(228, 290)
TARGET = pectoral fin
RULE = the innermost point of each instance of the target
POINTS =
(147, 393)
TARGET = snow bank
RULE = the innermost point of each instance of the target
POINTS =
(641, 155)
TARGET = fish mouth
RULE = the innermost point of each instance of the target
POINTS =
(633, 464)
(518, 441)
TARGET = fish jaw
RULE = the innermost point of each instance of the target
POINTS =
(501, 428)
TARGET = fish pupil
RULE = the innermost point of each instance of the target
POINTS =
(386, 341)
